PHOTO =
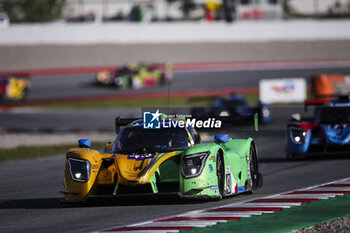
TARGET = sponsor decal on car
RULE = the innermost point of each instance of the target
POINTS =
(228, 180)
(240, 189)
(140, 157)
(233, 184)
(228, 184)
(211, 168)
(248, 162)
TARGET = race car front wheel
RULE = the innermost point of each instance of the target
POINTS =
(220, 172)
(253, 166)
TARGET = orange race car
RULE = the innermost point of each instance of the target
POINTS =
(330, 85)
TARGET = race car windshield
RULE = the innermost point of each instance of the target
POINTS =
(334, 115)
(138, 140)
(235, 103)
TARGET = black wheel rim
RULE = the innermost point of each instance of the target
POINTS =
(253, 167)
(220, 174)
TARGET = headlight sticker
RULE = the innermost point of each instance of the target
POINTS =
(193, 165)
(79, 169)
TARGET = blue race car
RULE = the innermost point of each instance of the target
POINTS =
(328, 132)
(233, 105)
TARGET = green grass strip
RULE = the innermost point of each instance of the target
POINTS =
(287, 220)
(30, 152)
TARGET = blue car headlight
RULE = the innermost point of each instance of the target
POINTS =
(265, 112)
(79, 169)
(193, 165)
(298, 135)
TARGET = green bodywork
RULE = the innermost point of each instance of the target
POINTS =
(235, 155)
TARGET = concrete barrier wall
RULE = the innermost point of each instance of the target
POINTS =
(257, 42)
(129, 33)
(63, 56)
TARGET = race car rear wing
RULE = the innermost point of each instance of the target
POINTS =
(232, 120)
(123, 122)
(320, 102)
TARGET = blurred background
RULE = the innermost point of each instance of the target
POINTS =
(74, 65)
(62, 61)
(19, 11)
(68, 68)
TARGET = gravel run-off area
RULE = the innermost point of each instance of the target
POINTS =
(341, 225)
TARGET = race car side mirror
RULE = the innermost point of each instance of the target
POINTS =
(84, 143)
(221, 138)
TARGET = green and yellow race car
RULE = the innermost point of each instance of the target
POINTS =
(167, 159)
(136, 76)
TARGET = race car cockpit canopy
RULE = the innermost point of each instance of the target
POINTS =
(137, 140)
(334, 115)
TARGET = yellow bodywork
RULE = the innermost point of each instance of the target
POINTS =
(131, 172)
(16, 88)
(123, 170)
(77, 190)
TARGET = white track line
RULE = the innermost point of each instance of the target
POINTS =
(218, 212)
(221, 214)
(260, 205)
(192, 223)
(340, 189)
(306, 196)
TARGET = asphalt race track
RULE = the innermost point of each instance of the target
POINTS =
(56, 87)
(30, 199)
(53, 87)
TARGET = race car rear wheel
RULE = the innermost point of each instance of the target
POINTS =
(220, 172)
(253, 166)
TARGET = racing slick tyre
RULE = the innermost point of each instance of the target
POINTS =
(255, 176)
(220, 172)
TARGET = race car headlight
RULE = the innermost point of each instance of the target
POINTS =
(265, 112)
(193, 165)
(79, 169)
(297, 135)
